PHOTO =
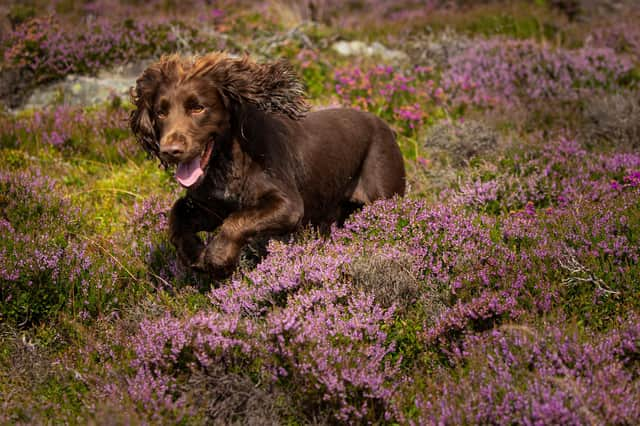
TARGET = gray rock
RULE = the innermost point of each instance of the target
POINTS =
(435, 49)
(359, 48)
(88, 90)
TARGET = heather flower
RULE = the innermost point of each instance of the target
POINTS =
(71, 130)
(53, 49)
(334, 348)
(508, 73)
(557, 174)
(42, 269)
(623, 37)
(517, 375)
(632, 179)
(311, 328)
(407, 97)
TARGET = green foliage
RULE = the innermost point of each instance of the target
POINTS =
(315, 73)
(49, 260)
(20, 13)
(519, 27)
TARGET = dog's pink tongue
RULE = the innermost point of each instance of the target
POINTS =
(189, 172)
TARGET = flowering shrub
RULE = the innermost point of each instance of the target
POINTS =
(560, 173)
(101, 134)
(294, 343)
(623, 37)
(42, 270)
(53, 49)
(291, 339)
(335, 351)
(498, 72)
(517, 375)
(302, 321)
(309, 326)
(510, 297)
(170, 346)
(406, 98)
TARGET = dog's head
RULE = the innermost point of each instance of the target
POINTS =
(183, 105)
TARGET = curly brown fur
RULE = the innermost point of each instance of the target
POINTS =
(272, 87)
(253, 162)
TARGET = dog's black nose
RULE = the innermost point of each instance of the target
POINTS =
(173, 150)
(173, 146)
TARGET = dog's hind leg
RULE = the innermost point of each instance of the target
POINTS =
(346, 209)
(382, 172)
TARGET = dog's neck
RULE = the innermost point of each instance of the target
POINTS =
(223, 180)
(243, 147)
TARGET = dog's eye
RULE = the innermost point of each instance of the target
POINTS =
(196, 109)
(161, 115)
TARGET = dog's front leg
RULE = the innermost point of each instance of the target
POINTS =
(276, 213)
(185, 221)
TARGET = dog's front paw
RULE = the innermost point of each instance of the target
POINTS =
(200, 264)
(205, 265)
(219, 258)
(190, 249)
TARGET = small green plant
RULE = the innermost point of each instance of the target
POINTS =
(20, 13)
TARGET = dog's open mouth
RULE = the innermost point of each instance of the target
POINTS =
(191, 171)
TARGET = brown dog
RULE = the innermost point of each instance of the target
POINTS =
(253, 162)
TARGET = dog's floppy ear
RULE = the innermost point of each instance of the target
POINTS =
(272, 87)
(141, 119)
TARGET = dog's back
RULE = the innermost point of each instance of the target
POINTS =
(346, 158)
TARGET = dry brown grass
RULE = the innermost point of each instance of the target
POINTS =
(392, 282)
(613, 121)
